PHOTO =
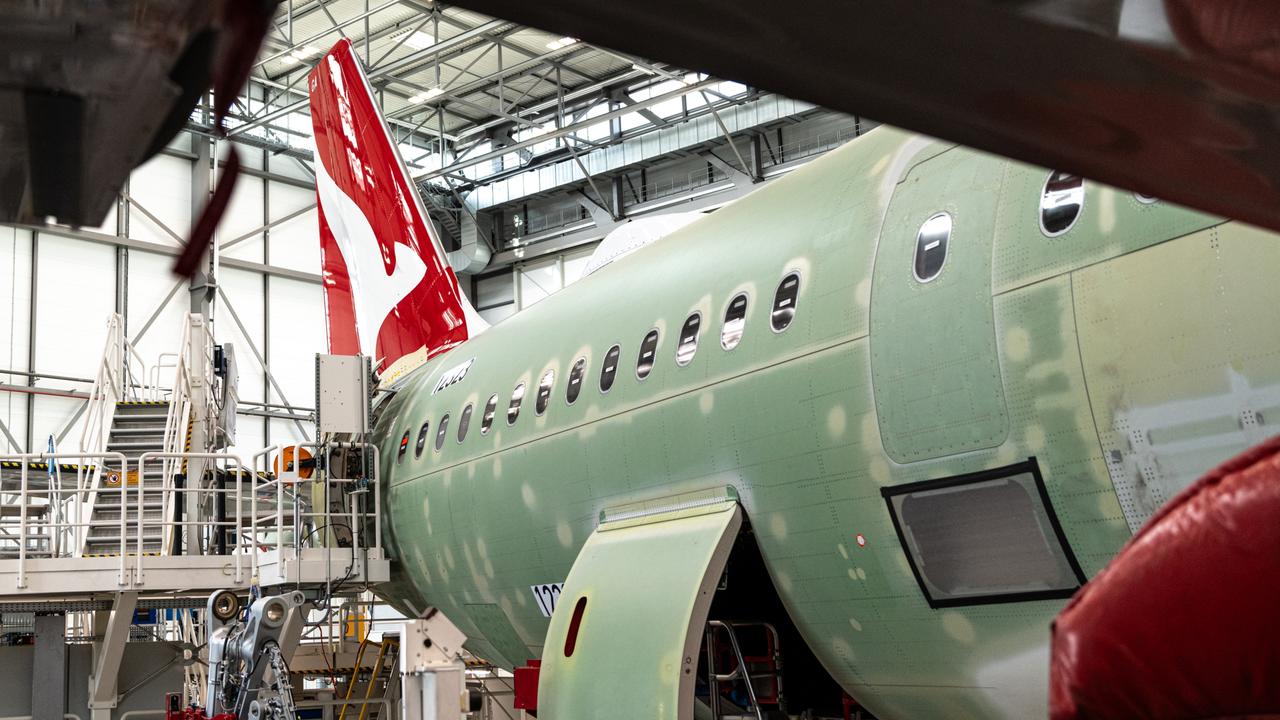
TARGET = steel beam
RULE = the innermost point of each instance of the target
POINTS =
(14, 445)
(102, 238)
(49, 668)
(107, 654)
(403, 63)
(567, 130)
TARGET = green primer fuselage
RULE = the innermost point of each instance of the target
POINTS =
(1127, 356)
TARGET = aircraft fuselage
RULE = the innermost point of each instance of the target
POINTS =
(1125, 355)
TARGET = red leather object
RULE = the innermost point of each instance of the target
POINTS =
(1185, 621)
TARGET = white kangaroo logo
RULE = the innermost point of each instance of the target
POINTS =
(374, 293)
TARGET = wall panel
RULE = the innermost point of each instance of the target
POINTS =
(150, 280)
(297, 333)
(244, 289)
(15, 305)
(163, 187)
(75, 296)
(244, 215)
(295, 243)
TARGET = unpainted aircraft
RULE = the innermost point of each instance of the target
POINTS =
(900, 404)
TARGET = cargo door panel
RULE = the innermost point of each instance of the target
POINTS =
(624, 638)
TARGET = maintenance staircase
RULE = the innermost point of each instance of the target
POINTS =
(141, 505)
(443, 212)
(137, 427)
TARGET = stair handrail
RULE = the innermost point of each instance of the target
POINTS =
(107, 390)
(176, 422)
(133, 388)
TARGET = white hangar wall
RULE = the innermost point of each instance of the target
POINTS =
(59, 286)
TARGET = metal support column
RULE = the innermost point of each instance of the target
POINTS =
(202, 290)
(202, 282)
(107, 653)
(49, 671)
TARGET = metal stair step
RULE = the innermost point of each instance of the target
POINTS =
(127, 408)
(143, 445)
(139, 430)
(114, 503)
(113, 515)
(132, 539)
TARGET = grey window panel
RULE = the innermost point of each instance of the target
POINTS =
(648, 351)
(735, 320)
(985, 537)
(688, 344)
(931, 247)
(575, 381)
(490, 409)
(784, 302)
(513, 410)
(464, 422)
(1060, 203)
(442, 431)
(609, 370)
(404, 445)
(544, 392)
(422, 440)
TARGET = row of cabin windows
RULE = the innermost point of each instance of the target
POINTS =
(1061, 201)
(731, 330)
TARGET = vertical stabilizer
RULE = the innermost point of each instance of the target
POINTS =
(389, 291)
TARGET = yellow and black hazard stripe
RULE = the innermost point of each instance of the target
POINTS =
(43, 466)
(142, 402)
(149, 553)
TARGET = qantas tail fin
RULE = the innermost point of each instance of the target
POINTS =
(389, 291)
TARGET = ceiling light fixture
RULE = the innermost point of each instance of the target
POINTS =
(562, 43)
(301, 54)
(426, 95)
(419, 40)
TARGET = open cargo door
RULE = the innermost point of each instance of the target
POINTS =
(624, 640)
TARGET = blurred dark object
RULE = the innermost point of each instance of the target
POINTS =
(1175, 99)
(90, 90)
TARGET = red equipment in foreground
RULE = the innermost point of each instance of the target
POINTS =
(1183, 623)
(175, 710)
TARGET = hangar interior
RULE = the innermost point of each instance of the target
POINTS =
(527, 148)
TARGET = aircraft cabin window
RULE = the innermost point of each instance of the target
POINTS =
(931, 247)
(422, 440)
(513, 410)
(442, 432)
(610, 368)
(544, 392)
(688, 344)
(735, 319)
(404, 445)
(648, 348)
(464, 422)
(1060, 203)
(784, 302)
(490, 408)
(575, 381)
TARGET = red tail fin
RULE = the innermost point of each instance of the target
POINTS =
(389, 291)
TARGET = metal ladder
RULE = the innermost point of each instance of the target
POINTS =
(748, 670)
(382, 676)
